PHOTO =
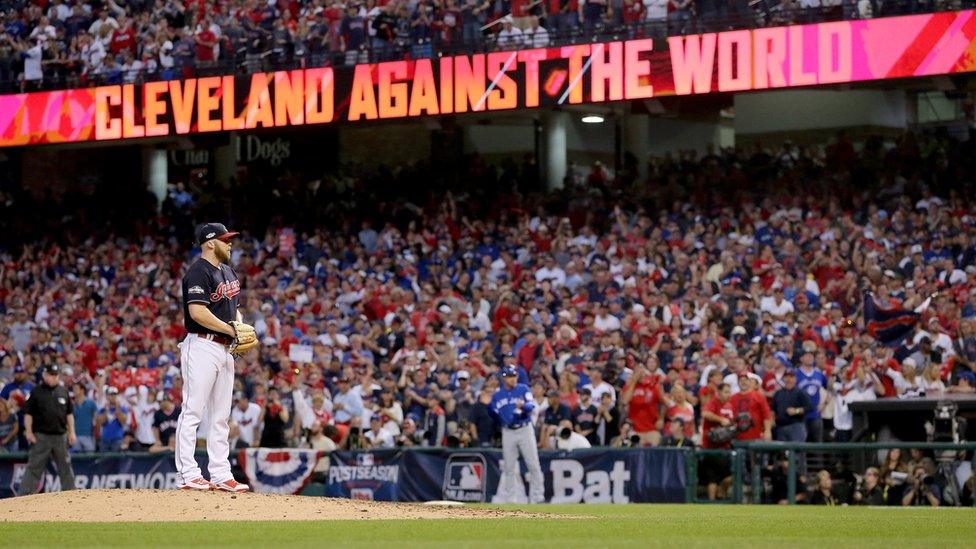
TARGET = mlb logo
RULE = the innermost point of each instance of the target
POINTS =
(365, 460)
(466, 478)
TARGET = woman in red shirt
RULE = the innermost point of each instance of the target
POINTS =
(642, 395)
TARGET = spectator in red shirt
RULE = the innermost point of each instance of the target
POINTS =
(124, 37)
(642, 395)
(718, 413)
(715, 469)
(205, 40)
(750, 403)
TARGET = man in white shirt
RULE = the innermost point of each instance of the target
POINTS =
(732, 380)
(777, 305)
(573, 277)
(377, 436)
(32, 65)
(597, 386)
(535, 36)
(131, 68)
(59, 10)
(332, 337)
(509, 37)
(246, 417)
(44, 31)
(347, 405)
(551, 271)
(940, 340)
(605, 322)
(145, 412)
(166, 63)
(92, 53)
(103, 19)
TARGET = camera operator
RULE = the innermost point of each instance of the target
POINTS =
(718, 431)
(755, 420)
(628, 437)
(869, 491)
(567, 439)
(554, 414)
(923, 490)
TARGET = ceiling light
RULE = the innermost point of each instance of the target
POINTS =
(592, 119)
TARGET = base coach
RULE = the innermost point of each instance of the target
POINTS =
(49, 426)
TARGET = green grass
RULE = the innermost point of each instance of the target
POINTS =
(611, 526)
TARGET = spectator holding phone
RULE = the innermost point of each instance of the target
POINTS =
(113, 420)
(275, 419)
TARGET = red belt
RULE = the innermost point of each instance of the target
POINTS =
(216, 338)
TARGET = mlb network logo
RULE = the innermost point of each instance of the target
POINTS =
(466, 478)
(365, 460)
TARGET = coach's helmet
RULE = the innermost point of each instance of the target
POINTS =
(509, 371)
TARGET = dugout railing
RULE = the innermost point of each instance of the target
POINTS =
(749, 458)
(745, 461)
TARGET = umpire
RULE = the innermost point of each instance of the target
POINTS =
(48, 419)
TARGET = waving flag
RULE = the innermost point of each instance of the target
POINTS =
(889, 326)
(273, 471)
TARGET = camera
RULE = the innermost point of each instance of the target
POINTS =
(946, 426)
(721, 435)
(743, 421)
(565, 432)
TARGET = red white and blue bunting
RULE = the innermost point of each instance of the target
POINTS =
(274, 471)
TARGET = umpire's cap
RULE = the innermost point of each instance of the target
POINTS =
(509, 371)
(209, 231)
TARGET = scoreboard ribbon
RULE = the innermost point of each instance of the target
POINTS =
(733, 61)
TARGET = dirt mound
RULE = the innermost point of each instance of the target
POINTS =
(177, 505)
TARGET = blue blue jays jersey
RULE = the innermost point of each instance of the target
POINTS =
(504, 405)
(811, 384)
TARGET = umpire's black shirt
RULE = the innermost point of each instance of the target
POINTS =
(49, 407)
(216, 287)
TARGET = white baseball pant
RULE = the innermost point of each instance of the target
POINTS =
(208, 386)
(522, 441)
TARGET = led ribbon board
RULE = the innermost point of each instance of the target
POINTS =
(733, 61)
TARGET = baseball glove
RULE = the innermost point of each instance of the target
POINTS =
(245, 340)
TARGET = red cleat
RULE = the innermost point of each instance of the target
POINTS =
(232, 486)
(197, 484)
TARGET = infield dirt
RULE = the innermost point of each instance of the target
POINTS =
(177, 505)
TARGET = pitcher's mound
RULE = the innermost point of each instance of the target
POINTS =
(177, 505)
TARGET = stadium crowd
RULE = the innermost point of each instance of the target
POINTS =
(684, 308)
(48, 44)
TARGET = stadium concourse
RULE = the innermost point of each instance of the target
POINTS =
(54, 44)
(633, 307)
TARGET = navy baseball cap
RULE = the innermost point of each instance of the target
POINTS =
(509, 371)
(209, 231)
(52, 369)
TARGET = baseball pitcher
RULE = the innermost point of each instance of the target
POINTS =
(211, 298)
(512, 406)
